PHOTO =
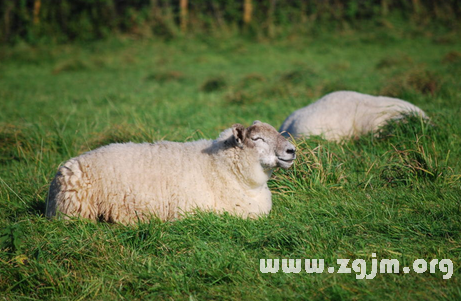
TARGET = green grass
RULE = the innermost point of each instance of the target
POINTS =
(397, 195)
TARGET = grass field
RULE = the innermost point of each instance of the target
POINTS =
(398, 196)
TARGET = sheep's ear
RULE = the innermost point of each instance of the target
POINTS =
(239, 132)
(256, 122)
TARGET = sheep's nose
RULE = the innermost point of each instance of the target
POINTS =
(291, 151)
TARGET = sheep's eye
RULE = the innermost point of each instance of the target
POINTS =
(257, 138)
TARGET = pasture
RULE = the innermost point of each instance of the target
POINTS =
(397, 196)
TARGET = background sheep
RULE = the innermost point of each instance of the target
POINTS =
(127, 182)
(346, 114)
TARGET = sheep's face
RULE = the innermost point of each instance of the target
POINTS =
(273, 149)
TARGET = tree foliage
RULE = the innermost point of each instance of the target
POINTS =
(67, 20)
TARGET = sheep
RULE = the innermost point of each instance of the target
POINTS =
(345, 114)
(128, 182)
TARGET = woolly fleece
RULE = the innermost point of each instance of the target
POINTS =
(346, 114)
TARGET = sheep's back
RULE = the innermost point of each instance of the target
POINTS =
(345, 114)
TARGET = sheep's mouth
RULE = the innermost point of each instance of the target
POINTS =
(285, 163)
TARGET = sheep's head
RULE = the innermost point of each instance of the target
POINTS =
(273, 149)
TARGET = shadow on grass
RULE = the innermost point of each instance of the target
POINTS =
(37, 207)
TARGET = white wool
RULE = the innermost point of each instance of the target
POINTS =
(130, 182)
(346, 114)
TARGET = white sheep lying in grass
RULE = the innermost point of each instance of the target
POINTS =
(130, 182)
(345, 114)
